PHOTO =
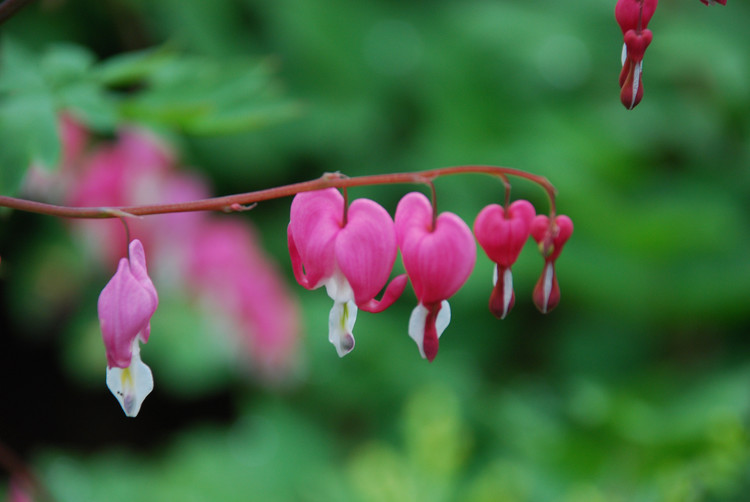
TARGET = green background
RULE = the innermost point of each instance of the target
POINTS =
(637, 388)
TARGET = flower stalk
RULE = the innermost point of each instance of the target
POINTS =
(232, 203)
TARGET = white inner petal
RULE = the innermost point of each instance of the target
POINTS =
(443, 317)
(131, 385)
(338, 288)
(417, 321)
(636, 82)
(494, 275)
(340, 326)
(507, 290)
(547, 287)
(624, 54)
(416, 326)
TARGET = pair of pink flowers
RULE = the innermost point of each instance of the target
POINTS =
(503, 233)
(351, 252)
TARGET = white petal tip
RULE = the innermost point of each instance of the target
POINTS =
(131, 385)
(340, 326)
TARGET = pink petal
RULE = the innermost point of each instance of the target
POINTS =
(629, 15)
(551, 238)
(125, 307)
(315, 221)
(503, 234)
(366, 249)
(438, 261)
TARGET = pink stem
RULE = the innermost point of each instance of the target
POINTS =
(227, 203)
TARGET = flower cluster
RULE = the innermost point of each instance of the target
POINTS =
(351, 251)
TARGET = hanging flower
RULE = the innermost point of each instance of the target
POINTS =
(439, 254)
(350, 251)
(502, 235)
(633, 17)
(125, 306)
(551, 237)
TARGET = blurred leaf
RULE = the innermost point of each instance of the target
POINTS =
(27, 115)
(204, 96)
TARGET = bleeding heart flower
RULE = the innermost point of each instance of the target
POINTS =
(631, 81)
(712, 2)
(439, 254)
(633, 17)
(125, 306)
(502, 234)
(551, 237)
(350, 251)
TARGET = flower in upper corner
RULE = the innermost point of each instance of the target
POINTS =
(439, 254)
(125, 307)
(502, 234)
(551, 237)
(712, 2)
(350, 251)
(633, 17)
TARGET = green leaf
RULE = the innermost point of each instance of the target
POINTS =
(132, 67)
(19, 67)
(28, 124)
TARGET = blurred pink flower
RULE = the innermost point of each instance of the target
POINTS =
(208, 256)
(227, 267)
(18, 490)
(439, 254)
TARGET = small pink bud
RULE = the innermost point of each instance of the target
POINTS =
(551, 237)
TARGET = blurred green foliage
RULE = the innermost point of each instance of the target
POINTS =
(637, 388)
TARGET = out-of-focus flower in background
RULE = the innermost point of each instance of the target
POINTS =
(217, 262)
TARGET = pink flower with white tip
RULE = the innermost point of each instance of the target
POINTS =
(633, 17)
(125, 306)
(713, 2)
(350, 251)
(439, 254)
(551, 237)
(502, 234)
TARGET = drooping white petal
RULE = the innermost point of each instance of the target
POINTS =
(624, 54)
(417, 321)
(340, 326)
(549, 274)
(131, 385)
(636, 82)
(507, 290)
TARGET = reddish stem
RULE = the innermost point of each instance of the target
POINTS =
(227, 203)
